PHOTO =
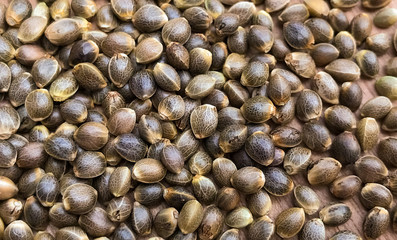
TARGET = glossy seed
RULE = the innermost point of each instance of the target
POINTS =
(345, 187)
(376, 223)
(375, 194)
(289, 222)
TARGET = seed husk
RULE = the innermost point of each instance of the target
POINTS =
(289, 222)
(343, 70)
(376, 223)
(335, 214)
(367, 133)
(296, 160)
(368, 63)
(316, 136)
(239, 218)
(324, 171)
(248, 180)
(345, 187)
(79, 198)
(304, 41)
(375, 194)
(278, 182)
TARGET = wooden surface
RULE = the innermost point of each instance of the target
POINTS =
(367, 85)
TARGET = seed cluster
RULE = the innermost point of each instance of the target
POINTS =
(171, 120)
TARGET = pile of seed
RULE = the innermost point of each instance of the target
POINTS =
(172, 120)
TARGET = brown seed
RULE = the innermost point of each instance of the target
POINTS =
(376, 223)
(385, 18)
(343, 70)
(339, 118)
(351, 95)
(239, 218)
(338, 19)
(387, 149)
(377, 107)
(371, 169)
(278, 182)
(326, 87)
(260, 147)
(379, 43)
(386, 86)
(32, 29)
(278, 89)
(296, 160)
(258, 109)
(316, 137)
(285, 136)
(321, 30)
(368, 63)
(8, 154)
(361, 27)
(335, 214)
(248, 180)
(8, 188)
(91, 136)
(190, 216)
(313, 229)
(375, 194)
(367, 133)
(390, 121)
(346, 44)
(317, 8)
(324, 171)
(346, 148)
(141, 219)
(345, 187)
(18, 230)
(227, 198)
(289, 222)
(305, 39)
(307, 198)
(148, 170)
(234, 65)
(295, 12)
(308, 106)
(324, 53)
(17, 11)
(280, 49)
(79, 198)
(285, 114)
(345, 234)
(260, 38)
(301, 63)
(204, 120)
